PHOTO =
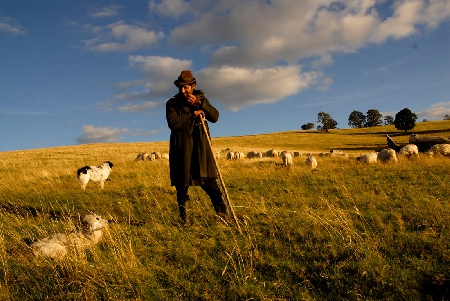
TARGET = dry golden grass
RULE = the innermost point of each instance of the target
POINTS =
(347, 231)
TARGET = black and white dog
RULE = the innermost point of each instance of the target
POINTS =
(97, 174)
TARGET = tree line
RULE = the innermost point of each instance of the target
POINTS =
(404, 120)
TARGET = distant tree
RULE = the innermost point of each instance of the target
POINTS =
(425, 120)
(356, 119)
(308, 126)
(388, 120)
(373, 118)
(326, 122)
(405, 120)
(447, 117)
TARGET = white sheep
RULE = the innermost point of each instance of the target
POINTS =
(409, 150)
(165, 156)
(287, 158)
(55, 246)
(368, 158)
(311, 161)
(157, 155)
(387, 155)
(217, 155)
(439, 149)
(231, 156)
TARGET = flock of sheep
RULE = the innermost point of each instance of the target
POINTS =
(409, 150)
(151, 156)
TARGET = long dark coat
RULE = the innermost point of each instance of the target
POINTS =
(190, 156)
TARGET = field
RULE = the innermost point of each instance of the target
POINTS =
(347, 231)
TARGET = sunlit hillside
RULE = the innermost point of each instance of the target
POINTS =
(346, 231)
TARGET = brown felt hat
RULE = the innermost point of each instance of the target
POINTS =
(185, 78)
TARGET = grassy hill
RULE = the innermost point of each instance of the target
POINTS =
(347, 231)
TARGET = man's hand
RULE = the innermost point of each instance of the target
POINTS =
(197, 113)
(193, 100)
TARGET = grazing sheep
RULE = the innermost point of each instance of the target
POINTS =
(98, 174)
(217, 155)
(141, 157)
(165, 156)
(311, 161)
(409, 150)
(151, 157)
(272, 153)
(439, 149)
(297, 154)
(157, 155)
(368, 158)
(55, 246)
(231, 156)
(287, 158)
(254, 154)
(387, 155)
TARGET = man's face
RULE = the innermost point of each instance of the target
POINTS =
(187, 89)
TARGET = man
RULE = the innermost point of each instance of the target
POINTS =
(190, 156)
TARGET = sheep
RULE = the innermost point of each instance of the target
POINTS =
(157, 155)
(217, 155)
(287, 158)
(231, 156)
(55, 246)
(311, 161)
(368, 158)
(141, 157)
(151, 157)
(272, 153)
(254, 154)
(387, 155)
(98, 174)
(409, 150)
(165, 156)
(439, 149)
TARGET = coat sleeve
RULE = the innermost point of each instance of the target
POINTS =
(211, 113)
(177, 117)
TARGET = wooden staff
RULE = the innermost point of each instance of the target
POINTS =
(220, 175)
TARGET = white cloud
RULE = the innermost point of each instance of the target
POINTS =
(435, 111)
(147, 105)
(10, 25)
(258, 34)
(107, 11)
(170, 8)
(92, 134)
(237, 88)
(122, 37)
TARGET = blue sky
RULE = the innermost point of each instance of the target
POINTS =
(75, 72)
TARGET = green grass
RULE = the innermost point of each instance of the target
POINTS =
(347, 231)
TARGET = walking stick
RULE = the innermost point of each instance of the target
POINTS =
(220, 176)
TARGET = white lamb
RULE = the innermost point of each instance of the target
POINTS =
(409, 150)
(439, 149)
(369, 158)
(56, 246)
(98, 174)
(311, 161)
(387, 155)
(287, 158)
